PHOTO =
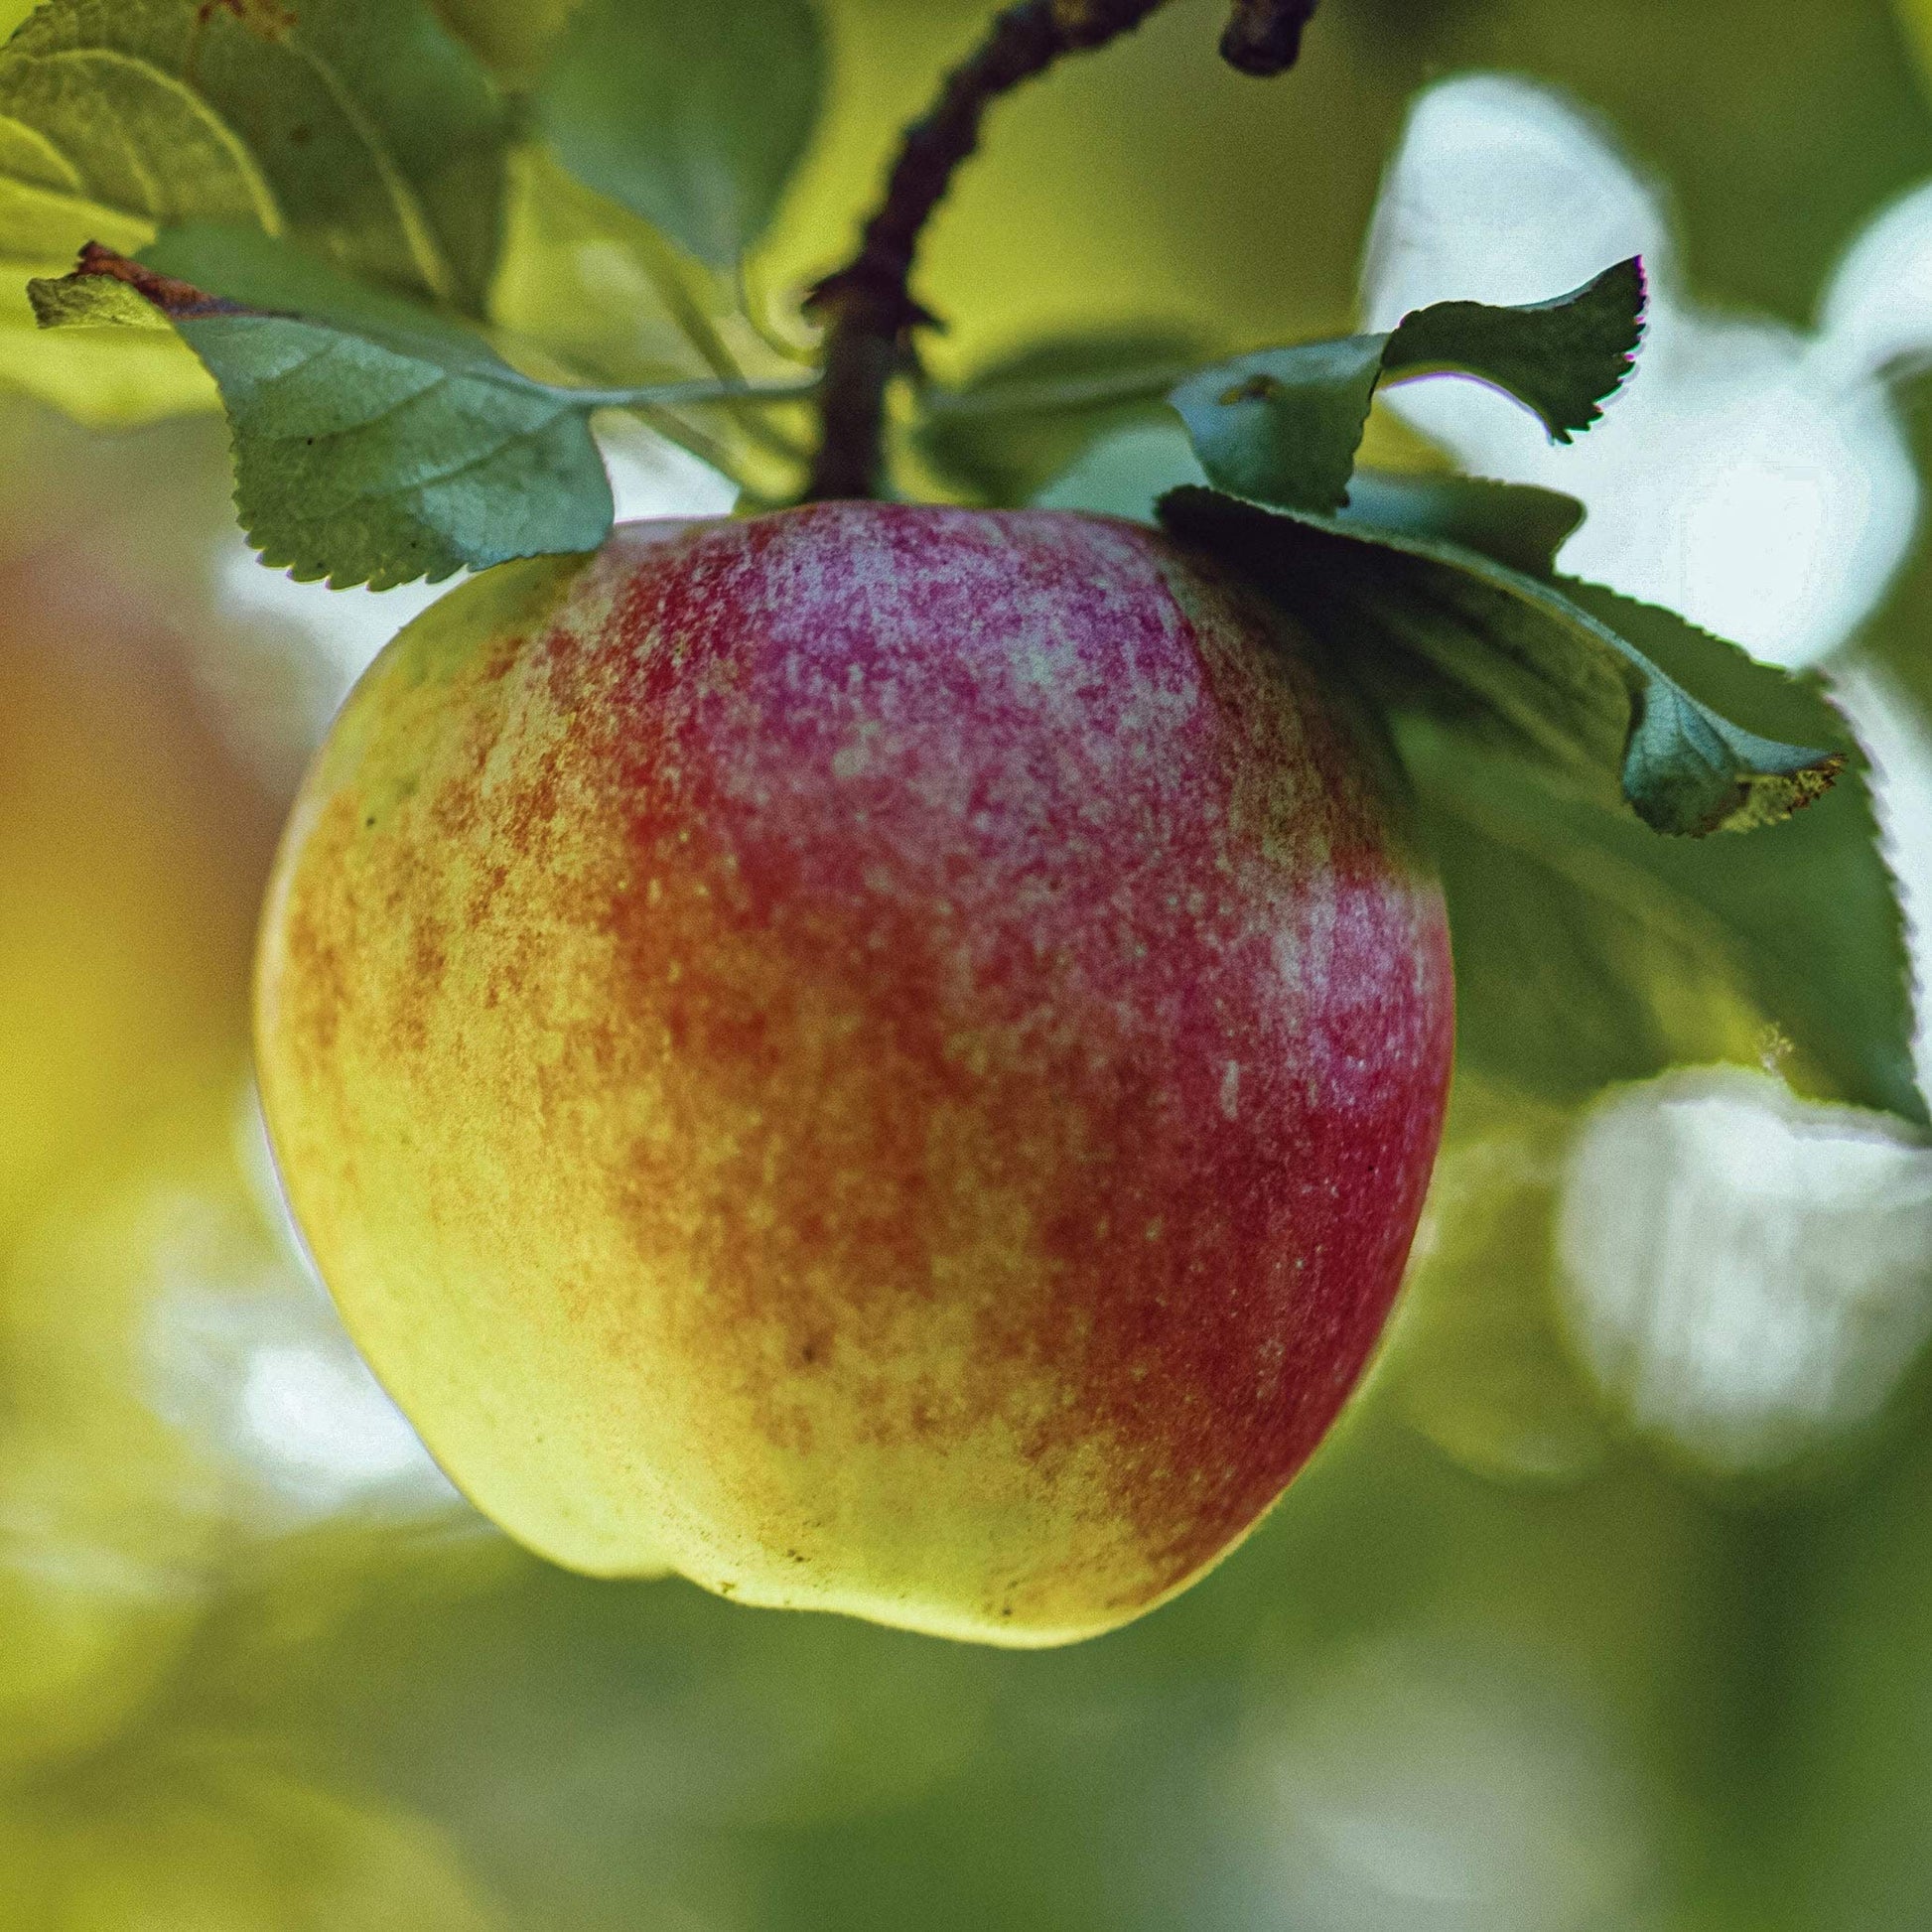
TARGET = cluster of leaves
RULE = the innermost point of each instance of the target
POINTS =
(1551, 728)
(315, 201)
(326, 194)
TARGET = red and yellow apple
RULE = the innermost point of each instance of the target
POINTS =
(884, 1058)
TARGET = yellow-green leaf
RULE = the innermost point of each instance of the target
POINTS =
(360, 126)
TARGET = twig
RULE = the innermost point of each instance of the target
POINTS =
(1265, 36)
(866, 307)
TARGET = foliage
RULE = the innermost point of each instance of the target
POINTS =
(373, 443)
(1576, 683)
(1591, 952)
(1520, 662)
(359, 128)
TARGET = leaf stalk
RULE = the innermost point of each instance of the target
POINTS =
(684, 395)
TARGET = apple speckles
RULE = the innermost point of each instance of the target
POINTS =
(1231, 1089)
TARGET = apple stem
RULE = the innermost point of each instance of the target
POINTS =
(866, 307)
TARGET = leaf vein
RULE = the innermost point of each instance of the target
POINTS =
(267, 209)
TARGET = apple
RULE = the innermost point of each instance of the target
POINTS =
(884, 1057)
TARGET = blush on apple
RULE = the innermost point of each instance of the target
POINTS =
(884, 1058)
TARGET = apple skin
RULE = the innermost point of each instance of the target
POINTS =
(884, 1058)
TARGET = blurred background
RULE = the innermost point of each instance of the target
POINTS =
(1608, 1606)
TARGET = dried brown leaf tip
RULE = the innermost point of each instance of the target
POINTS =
(178, 301)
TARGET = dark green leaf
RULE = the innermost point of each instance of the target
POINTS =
(1281, 425)
(1515, 523)
(1588, 951)
(514, 37)
(1022, 421)
(1558, 358)
(359, 127)
(692, 115)
(1543, 668)
(1127, 473)
(374, 442)
(1732, 683)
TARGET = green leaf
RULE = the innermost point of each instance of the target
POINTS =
(694, 116)
(598, 290)
(1126, 473)
(1282, 426)
(374, 442)
(1560, 359)
(1588, 951)
(1734, 684)
(1546, 668)
(1019, 422)
(1516, 524)
(359, 127)
(512, 36)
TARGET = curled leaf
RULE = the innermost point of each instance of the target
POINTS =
(1542, 666)
(1282, 426)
